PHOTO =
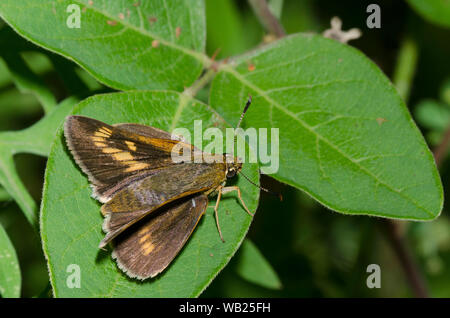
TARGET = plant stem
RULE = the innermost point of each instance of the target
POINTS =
(403, 252)
(441, 150)
(267, 19)
(200, 83)
(405, 68)
(403, 76)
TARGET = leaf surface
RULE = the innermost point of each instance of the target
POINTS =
(345, 135)
(10, 277)
(124, 44)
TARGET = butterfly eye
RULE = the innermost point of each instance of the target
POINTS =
(231, 173)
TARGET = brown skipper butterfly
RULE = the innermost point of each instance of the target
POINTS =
(151, 204)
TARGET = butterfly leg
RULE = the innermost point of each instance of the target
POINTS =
(223, 190)
(236, 188)
(216, 208)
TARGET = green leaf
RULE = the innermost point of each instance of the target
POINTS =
(27, 81)
(67, 72)
(445, 92)
(345, 136)
(434, 11)
(224, 28)
(13, 102)
(71, 221)
(25, 66)
(252, 266)
(4, 195)
(432, 115)
(10, 278)
(37, 140)
(127, 44)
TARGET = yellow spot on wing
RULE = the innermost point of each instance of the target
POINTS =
(100, 134)
(144, 238)
(106, 130)
(100, 144)
(121, 156)
(131, 145)
(103, 132)
(96, 138)
(147, 248)
(111, 150)
(134, 165)
(144, 230)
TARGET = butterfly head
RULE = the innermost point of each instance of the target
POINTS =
(234, 165)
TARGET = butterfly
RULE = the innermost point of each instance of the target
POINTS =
(151, 204)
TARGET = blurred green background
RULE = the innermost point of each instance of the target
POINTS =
(314, 251)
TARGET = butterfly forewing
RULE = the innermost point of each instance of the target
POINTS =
(114, 156)
(151, 202)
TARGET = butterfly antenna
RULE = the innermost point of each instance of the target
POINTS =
(264, 189)
(245, 110)
(247, 105)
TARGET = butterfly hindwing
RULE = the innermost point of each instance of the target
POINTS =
(147, 248)
(146, 195)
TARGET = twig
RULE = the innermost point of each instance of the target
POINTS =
(403, 76)
(405, 68)
(200, 83)
(336, 32)
(267, 19)
(441, 150)
(403, 252)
